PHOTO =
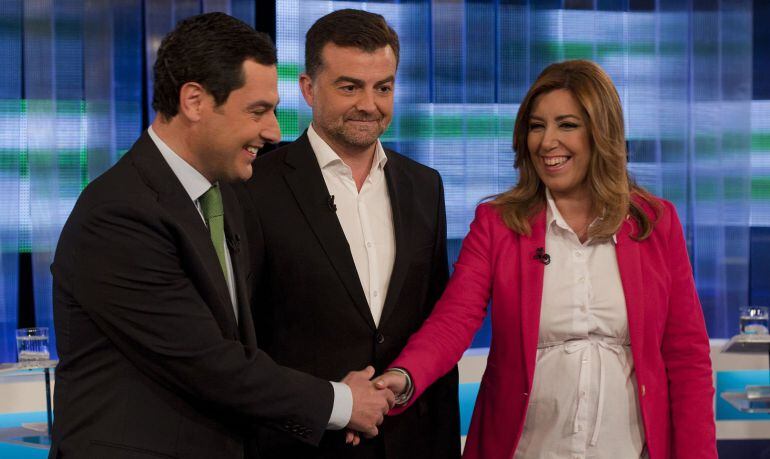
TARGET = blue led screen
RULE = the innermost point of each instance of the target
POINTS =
(75, 86)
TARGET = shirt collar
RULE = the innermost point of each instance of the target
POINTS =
(194, 183)
(326, 156)
(554, 218)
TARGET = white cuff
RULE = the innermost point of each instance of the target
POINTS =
(343, 406)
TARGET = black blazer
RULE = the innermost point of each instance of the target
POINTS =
(310, 309)
(153, 363)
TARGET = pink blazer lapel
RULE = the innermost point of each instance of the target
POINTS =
(630, 267)
(531, 291)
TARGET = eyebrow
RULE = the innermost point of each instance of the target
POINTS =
(558, 118)
(261, 104)
(359, 82)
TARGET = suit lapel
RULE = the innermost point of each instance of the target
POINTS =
(307, 185)
(531, 291)
(630, 267)
(175, 200)
(234, 230)
(402, 206)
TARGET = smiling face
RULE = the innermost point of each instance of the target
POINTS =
(228, 136)
(559, 143)
(351, 96)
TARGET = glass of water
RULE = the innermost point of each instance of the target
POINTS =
(754, 320)
(32, 345)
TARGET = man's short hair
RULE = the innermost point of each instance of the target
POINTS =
(347, 28)
(208, 49)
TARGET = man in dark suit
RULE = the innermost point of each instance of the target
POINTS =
(349, 241)
(158, 352)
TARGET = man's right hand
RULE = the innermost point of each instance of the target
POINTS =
(369, 403)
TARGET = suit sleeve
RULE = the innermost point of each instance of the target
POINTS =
(685, 349)
(447, 333)
(132, 282)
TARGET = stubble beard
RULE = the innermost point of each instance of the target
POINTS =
(351, 136)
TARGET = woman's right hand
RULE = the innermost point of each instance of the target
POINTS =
(392, 380)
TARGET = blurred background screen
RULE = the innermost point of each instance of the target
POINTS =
(76, 82)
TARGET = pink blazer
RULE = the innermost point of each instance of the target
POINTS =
(669, 343)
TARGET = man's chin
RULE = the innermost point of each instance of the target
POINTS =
(361, 141)
(240, 175)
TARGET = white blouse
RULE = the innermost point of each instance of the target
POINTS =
(583, 402)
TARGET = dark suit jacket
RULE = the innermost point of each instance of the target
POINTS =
(311, 311)
(153, 363)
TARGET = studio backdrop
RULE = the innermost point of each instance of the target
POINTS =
(76, 86)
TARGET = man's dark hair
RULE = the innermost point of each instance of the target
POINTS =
(208, 49)
(347, 28)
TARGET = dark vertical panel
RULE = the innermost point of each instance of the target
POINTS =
(263, 19)
(12, 152)
(158, 20)
(449, 35)
(761, 49)
(127, 73)
(513, 54)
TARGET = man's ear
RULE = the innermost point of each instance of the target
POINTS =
(306, 86)
(192, 97)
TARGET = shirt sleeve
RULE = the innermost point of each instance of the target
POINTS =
(343, 406)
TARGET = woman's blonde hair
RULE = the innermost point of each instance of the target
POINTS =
(612, 190)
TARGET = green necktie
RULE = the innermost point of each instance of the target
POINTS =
(214, 214)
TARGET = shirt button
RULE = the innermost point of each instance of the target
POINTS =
(375, 293)
(578, 253)
(368, 244)
(583, 393)
(581, 279)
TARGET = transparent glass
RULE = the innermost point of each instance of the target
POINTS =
(32, 345)
(754, 320)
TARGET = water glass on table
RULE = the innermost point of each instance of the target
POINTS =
(32, 345)
(754, 320)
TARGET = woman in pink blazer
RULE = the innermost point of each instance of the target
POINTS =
(599, 347)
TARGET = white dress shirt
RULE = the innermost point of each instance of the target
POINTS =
(196, 185)
(365, 216)
(583, 402)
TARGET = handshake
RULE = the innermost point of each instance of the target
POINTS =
(372, 399)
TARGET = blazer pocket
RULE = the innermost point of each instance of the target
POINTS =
(99, 449)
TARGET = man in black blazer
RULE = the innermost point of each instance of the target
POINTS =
(158, 352)
(348, 241)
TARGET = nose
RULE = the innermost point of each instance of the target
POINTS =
(271, 130)
(365, 102)
(550, 138)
